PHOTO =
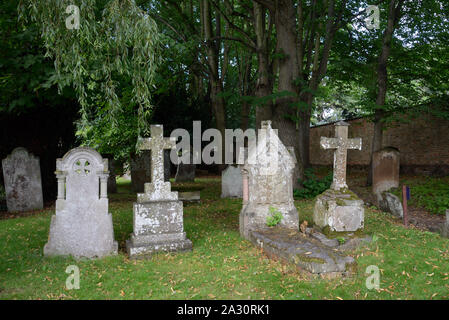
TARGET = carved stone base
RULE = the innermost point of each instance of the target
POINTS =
(158, 226)
(340, 211)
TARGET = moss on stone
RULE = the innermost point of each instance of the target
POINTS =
(304, 258)
(345, 234)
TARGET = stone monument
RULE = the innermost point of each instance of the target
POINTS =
(267, 183)
(231, 183)
(185, 172)
(158, 214)
(385, 170)
(82, 226)
(23, 185)
(338, 208)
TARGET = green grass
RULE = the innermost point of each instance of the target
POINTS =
(222, 265)
(429, 193)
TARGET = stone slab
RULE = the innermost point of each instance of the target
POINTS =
(190, 196)
(385, 169)
(231, 183)
(306, 253)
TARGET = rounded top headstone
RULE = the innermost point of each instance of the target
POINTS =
(341, 124)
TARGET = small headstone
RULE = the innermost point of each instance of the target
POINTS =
(231, 183)
(267, 176)
(189, 196)
(385, 170)
(23, 185)
(158, 214)
(82, 226)
(445, 226)
(186, 172)
(140, 166)
(338, 208)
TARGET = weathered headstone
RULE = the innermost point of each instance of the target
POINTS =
(385, 170)
(267, 175)
(82, 225)
(445, 226)
(112, 182)
(158, 214)
(140, 166)
(338, 208)
(231, 183)
(388, 202)
(185, 172)
(23, 185)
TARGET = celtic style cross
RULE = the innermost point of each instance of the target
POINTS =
(341, 143)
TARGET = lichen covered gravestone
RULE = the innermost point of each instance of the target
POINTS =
(23, 185)
(82, 225)
(338, 208)
(231, 183)
(385, 170)
(267, 176)
(158, 214)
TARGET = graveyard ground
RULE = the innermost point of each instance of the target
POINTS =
(413, 263)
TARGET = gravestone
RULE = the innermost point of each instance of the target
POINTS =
(231, 183)
(23, 185)
(112, 182)
(82, 225)
(385, 170)
(267, 178)
(140, 167)
(267, 188)
(338, 208)
(158, 214)
(185, 172)
(445, 227)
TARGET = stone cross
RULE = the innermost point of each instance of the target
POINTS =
(158, 189)
(341, 143)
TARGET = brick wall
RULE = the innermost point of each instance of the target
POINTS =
(423, 143)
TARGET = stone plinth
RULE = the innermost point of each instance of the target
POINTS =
(23, 185)
(82, 226)
(339, 210)
(385, 170)
(158, 226)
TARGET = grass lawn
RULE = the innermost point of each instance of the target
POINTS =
(413, 264)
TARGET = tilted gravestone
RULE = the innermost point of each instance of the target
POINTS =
(140, 167)
(267, 183)
(158, 214)
(338, 208)
(23, 184)
(231, 183)
(82, 226)
(385, 170)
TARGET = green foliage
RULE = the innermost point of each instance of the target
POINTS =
(274, 218)
(312, 185)
(115, 40)
(429, 193)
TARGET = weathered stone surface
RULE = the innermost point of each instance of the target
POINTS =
(388, 202)
(267, 182)
(342, 144)
(305, 252)
(385, 170)
(158, 214)
(22, 177)
(140, 166)
(189, 196)
(82, 226)
(231, 183)
(185, 172)
(341, 211)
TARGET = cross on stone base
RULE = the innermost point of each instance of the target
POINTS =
(158, 189)
(341, 143)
